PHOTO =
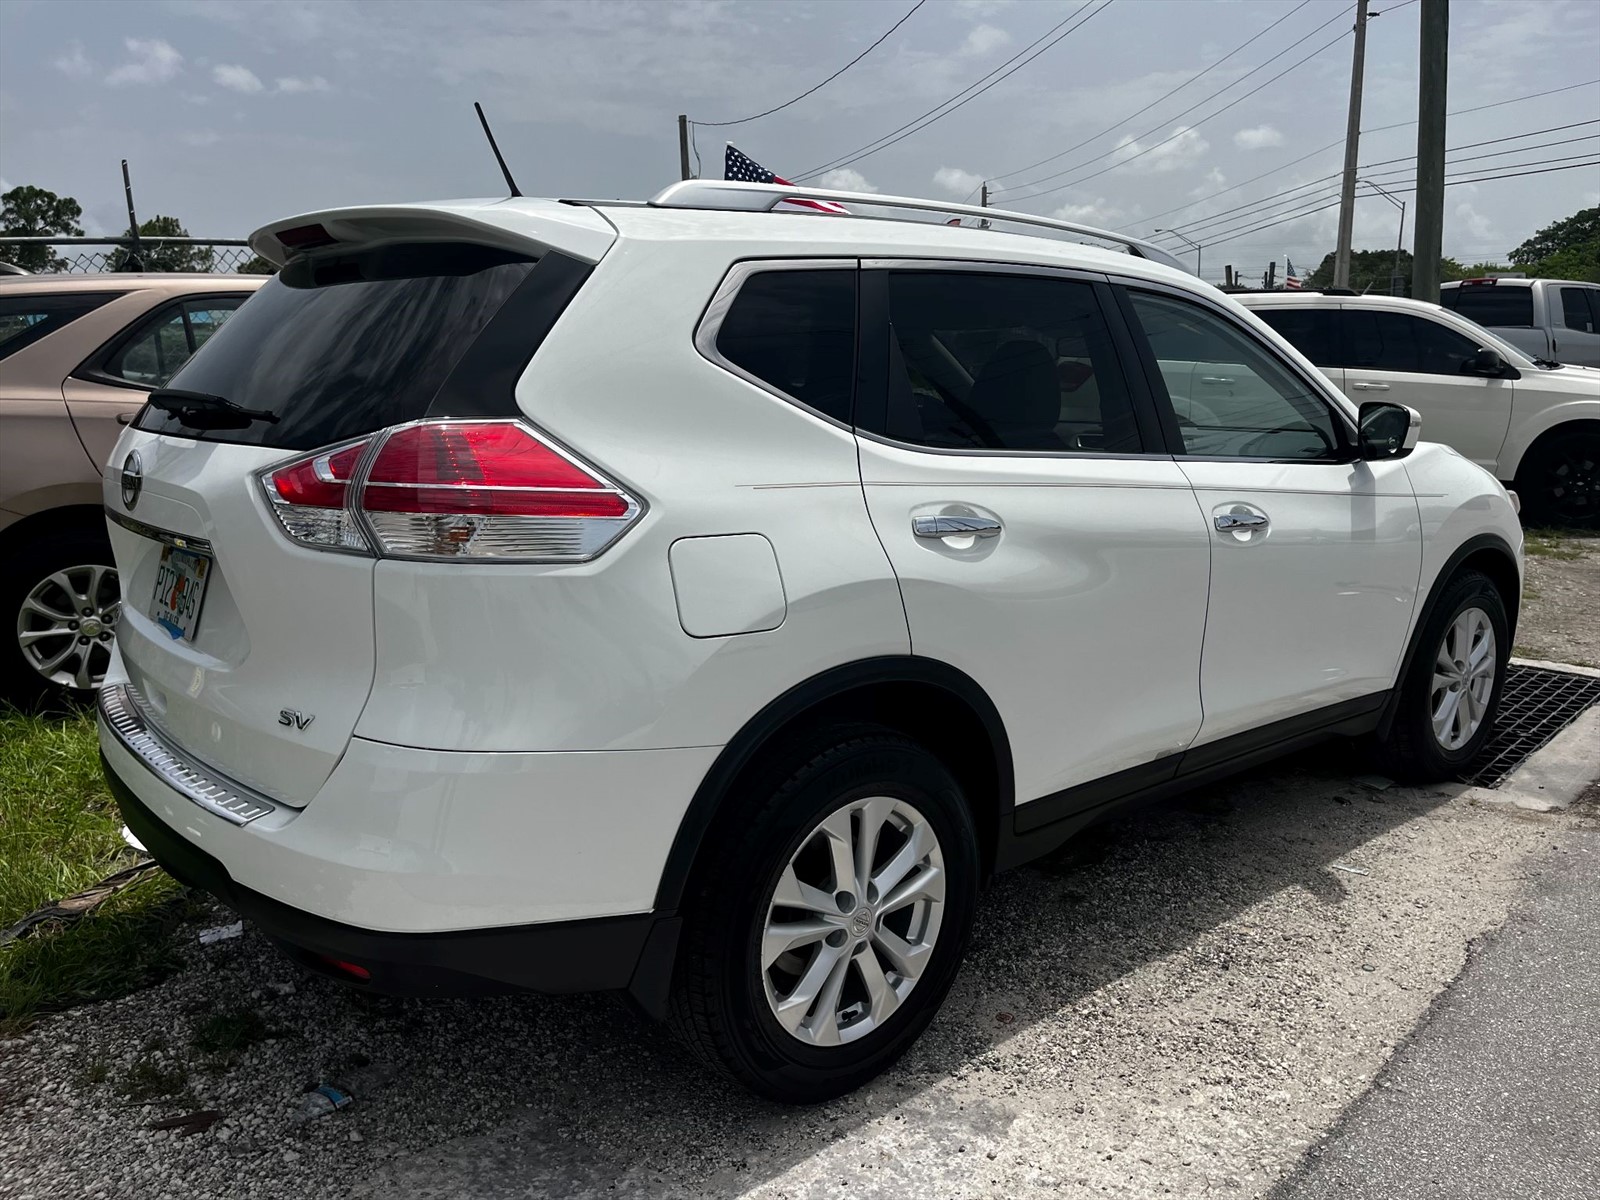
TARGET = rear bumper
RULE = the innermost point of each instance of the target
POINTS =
(632, 952)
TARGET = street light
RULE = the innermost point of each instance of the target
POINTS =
(1197, 247)
(1400, 238)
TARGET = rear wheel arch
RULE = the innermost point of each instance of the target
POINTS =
(929, 701)
(89, 518)
(1544, 437)
(1532, 458)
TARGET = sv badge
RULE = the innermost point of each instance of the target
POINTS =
(289, 716)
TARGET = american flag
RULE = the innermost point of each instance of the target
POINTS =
(1291, 281)
(741, 168)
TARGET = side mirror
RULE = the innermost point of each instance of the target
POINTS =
(1486, 362)
(1389, 430)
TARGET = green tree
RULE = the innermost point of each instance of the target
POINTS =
(256, 265)
(163, 258)
(1581, 262)
(1370, 271)
(1579, 231)
(34, 212)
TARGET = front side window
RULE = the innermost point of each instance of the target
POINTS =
(1576, 312)
(1312, 331)
(167, 340)
(1233, 398)
(1493, 304)
(1004, 362)
(1394, 341)
(796, 331)
(26, 319)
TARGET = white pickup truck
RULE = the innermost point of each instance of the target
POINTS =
(1555, 319)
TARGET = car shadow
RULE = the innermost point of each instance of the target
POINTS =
(586, 1098)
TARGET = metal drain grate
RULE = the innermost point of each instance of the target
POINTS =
(1536, 705)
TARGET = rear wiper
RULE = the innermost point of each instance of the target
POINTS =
(201, 410)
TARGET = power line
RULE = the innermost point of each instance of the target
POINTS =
(825, 82)
(919, 123)
(1339, 141)
(1200, 103)
(1158, 100)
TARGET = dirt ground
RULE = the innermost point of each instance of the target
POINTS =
(1561, 598)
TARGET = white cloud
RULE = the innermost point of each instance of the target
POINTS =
(1258, 138)
(153, 61)
(1097, 212)
(75, 62)
(981, 8)
(200, 137)
(239, 79)
(981, 39)
(1474, 224)
(1213, 180)
(315, 83)
(1181, 148)
(847, 179)
(957, 181)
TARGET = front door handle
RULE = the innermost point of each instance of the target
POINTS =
(955, 526)
(1240, 522)
(1370, 387)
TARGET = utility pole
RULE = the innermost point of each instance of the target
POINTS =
(683, 144)
(1427, 227)
(1352, 147)
(1198, 249)
(983, 196)
(133, 260)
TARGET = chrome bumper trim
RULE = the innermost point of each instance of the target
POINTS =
(123, 716)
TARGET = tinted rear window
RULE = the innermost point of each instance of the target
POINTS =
(1312, 331)
(26, 319)
(796, 330)
(340, 345)
(1492, 304)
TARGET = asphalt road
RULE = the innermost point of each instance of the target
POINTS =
(1497, 1093)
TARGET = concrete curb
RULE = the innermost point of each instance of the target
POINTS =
(1565, 668)
(1555, 776)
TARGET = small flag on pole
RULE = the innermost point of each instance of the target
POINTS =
(1291, 281)
(739, 167)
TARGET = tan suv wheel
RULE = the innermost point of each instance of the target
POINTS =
(61, 605)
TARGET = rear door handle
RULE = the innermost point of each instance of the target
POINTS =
(1370, 387)
(955, 526)
(1236, 522)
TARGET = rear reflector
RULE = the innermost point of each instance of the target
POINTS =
(449, 490)
(348, 969)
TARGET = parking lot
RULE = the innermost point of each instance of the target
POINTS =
(1181, 1004)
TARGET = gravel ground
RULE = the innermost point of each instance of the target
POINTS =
(1560, 620)
(1180, 1006)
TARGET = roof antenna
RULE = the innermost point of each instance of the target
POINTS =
(498, 157)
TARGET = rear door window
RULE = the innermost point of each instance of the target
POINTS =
(1576, 309)
(338, 345)
(1004, 362)
(1393, 341)
(1493, 304)
(795, 331)
(1312, 331)
(160, 346)
(26, 319)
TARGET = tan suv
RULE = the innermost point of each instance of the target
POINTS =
(77, 358)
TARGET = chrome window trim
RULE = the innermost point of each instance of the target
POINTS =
(123, 715)
(710, 325)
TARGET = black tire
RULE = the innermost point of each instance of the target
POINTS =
(719, 1006)
(1559, 479)
(1412, 752)
(24, 566)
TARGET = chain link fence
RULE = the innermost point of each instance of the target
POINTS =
(90, 256)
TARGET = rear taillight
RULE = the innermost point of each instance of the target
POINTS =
(448, 490)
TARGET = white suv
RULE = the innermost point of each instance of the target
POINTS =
(1532, 422)
(702, 601)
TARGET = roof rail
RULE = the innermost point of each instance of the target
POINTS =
(764, 197)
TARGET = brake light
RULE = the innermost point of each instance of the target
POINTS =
(452, 489)
(310, 497)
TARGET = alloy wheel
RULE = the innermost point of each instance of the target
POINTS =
(852, 921)
(67, 622)
(1571, 481)
(1463, 679)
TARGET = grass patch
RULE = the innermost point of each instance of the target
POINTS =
(1558, 544)
(60, 833)
(149, 1079)
(225, 1036)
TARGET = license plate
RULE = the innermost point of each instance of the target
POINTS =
(180, 587)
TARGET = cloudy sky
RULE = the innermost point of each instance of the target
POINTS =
(235, 112)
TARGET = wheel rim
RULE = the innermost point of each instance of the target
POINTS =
(852, 921)
(1571, 483)
(1463, 679)
(66, 624)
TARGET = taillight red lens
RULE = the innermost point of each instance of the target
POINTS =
(483, 470)
(320, 481)
(310, 497)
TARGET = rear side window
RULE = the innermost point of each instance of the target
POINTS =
(1392, 341)
(167, 340)
(338, 345)
(26, 319)
(1004, 362)
(1312, 331)
(1577, 311)
(796, 331)
(1493, 304)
